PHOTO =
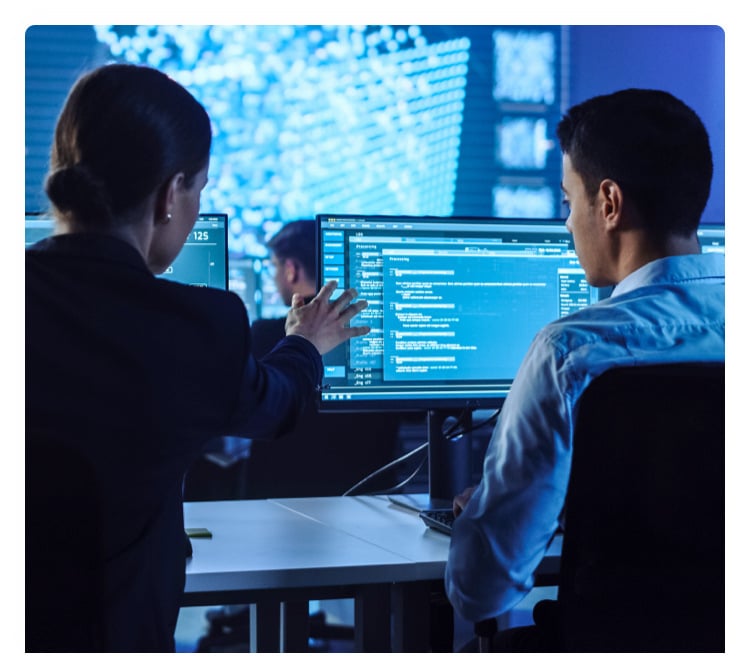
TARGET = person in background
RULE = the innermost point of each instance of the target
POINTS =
(129, 375)
(255, 472)
(637, 168)
(325, 454)
(292, 267)
(293, 258)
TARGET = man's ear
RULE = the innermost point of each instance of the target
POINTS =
(165, 199)
(611, 202)
(291, 270)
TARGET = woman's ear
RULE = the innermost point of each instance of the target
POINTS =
(165, 199)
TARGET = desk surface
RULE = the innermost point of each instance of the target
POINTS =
(310, 542)
(287, 543)
(378, 521)
(284, 552)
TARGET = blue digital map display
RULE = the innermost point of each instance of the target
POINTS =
(402, 120)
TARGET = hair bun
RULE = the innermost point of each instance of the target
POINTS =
(72, 190)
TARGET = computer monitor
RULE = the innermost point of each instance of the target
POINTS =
(453, 305)
(712, 237)
(203, 260)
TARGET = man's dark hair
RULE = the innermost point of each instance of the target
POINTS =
(649, 142)
(297, 241)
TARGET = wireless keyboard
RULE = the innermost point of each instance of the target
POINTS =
(440, 519)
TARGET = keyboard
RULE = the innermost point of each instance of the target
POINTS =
(440, 519)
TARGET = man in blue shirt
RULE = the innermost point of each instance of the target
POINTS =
(637, 168)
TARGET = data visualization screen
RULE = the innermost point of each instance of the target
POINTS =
(203, 260)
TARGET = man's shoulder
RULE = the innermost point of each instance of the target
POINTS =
(589, 321)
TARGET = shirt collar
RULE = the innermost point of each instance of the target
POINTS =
(674, 269)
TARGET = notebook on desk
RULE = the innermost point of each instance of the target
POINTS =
(203, 260)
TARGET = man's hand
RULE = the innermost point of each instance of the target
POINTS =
(461, 500)
(326, 323)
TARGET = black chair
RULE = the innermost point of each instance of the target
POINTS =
(642, 564)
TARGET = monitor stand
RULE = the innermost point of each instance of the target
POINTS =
(450, 469)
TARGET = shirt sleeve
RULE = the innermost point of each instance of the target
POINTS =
(500, 538)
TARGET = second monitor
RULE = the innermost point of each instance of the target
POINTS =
(203, 260)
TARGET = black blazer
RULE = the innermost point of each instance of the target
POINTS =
(129, 376)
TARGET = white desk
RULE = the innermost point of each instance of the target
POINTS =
(278, 554)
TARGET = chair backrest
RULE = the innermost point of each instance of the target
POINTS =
(643, 551)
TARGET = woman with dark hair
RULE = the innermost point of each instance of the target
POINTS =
(128, 375)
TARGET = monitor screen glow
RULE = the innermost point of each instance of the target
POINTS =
(203, 260)
(453, 306)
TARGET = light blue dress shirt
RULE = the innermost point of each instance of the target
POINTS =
(670, 310)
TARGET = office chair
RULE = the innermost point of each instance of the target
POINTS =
(642, 565)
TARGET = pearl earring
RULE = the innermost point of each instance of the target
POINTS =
(169, 217)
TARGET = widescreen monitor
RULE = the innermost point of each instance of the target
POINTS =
(453, 305)
(203, 260)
